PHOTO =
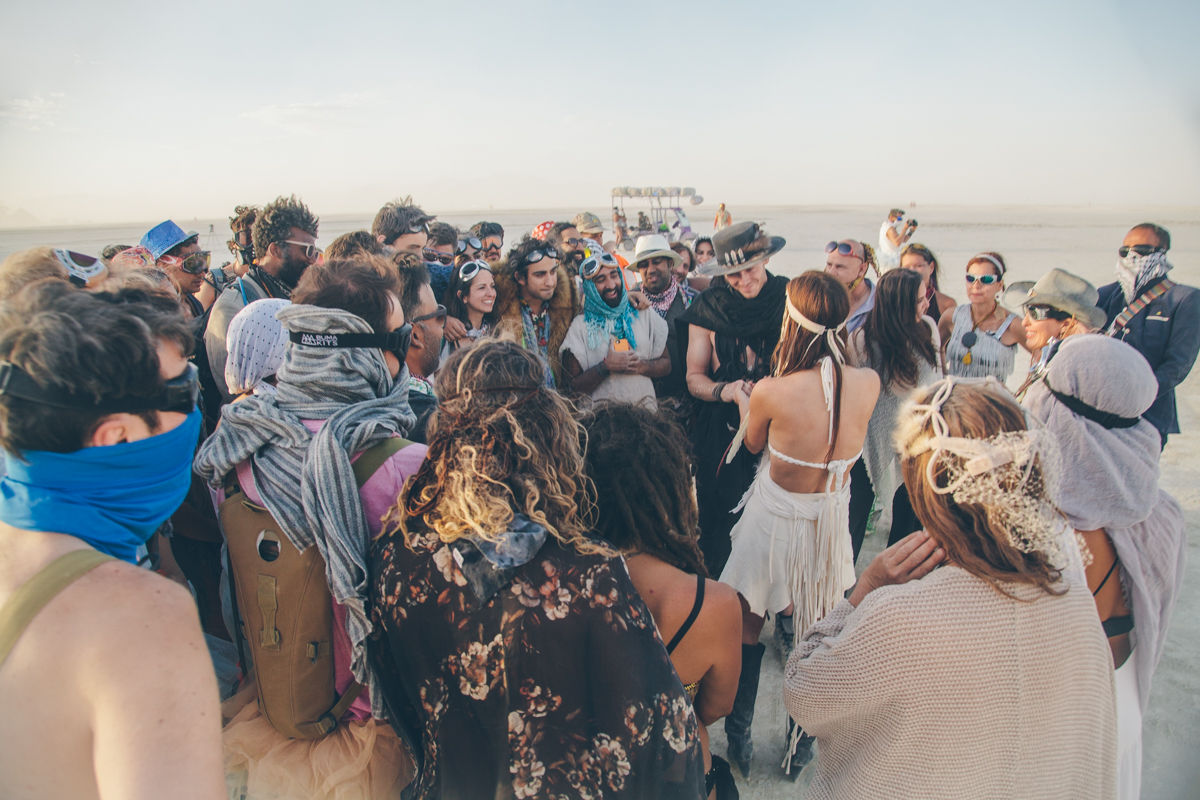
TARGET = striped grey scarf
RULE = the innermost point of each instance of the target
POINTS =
(352, 391)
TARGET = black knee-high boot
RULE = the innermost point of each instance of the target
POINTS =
(737, 724)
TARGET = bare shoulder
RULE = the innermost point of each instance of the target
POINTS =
(722, 612)
(861, 380)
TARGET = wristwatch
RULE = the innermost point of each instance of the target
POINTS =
(602, 370)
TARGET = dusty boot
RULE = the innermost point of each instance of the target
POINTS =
(784, 637)
(794, 762)
(737, 724)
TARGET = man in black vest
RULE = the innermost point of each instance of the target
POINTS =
(1158, 317)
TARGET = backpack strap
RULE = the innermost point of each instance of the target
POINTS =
(328, 721)
(375, 457)
(34, 594)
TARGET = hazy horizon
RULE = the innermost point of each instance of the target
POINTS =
(146, 111)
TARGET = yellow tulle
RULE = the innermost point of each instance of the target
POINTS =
(359, 761)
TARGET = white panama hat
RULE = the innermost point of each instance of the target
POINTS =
(653, 245)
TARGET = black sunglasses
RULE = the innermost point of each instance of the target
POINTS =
(439, 313)
(1140, 249)
(1040, 313)
(444, 259)
(179, 394)
(471, 242)
(494, 246)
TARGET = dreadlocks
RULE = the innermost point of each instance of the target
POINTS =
(499, 443)
(646, 501)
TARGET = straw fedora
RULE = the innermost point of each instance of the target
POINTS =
(1058, 289)
(651, 246)
(740, 247)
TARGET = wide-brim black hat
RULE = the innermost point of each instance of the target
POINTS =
(740, 247)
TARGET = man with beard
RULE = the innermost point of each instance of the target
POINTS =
(565, 238)
(535, 300)
(654, 260)
(611, 351)
(490, 236)
(428, 320)
(285, 244)
(1156, 316)
(729, 334)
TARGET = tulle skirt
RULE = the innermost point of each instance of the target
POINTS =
(360, 760)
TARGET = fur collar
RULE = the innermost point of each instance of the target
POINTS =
(564, 306)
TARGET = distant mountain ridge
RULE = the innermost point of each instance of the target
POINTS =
(20, 218)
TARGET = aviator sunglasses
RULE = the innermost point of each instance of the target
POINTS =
(1140, 249)
(843, 248)
(986, 280)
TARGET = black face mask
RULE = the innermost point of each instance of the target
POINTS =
(395, 342)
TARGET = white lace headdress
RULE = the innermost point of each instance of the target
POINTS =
(1011, 474)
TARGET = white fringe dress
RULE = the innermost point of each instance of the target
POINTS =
(792, 548)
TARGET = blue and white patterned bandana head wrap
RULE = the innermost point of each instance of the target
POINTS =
(604, 321)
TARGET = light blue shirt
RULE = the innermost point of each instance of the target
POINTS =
(859, 316)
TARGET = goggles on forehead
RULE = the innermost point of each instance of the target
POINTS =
(595, 261)
(395, 342)
(471, 242)
(537, 255)
(178, 394)
(470, 269)
(81, 269)
(193, 263)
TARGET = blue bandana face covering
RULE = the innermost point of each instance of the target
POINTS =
(111, 497)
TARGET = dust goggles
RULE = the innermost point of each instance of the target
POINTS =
(81, 269)
(193, 263)
(395, 342)
(471, 242)
(470, 269)
(535, 256)
(178, 394)
(595, 261)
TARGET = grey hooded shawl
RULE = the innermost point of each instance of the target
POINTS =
(1109, 480)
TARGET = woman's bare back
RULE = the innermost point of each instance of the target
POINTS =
(793, 418)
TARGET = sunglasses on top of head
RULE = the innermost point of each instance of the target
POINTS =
(445, 259)
(595, 261)
(1140, 249)
(535, 256)
(842, 248)
(193, 263)
(470, 269)
(986, 280)
(309, 250)
(470, 242)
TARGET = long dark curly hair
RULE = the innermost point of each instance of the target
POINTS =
(500, 443)
(638, 461)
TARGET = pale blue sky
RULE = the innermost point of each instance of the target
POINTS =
(139, 110)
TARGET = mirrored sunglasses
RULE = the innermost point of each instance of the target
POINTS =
(986, 280)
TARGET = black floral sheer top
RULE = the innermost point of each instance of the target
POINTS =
(556, 686)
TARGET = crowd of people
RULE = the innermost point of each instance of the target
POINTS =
(430, 514)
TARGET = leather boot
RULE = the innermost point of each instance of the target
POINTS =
(737, 724)
(797, 761)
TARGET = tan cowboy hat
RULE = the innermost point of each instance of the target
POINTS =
(653, 246)
(1058, 289)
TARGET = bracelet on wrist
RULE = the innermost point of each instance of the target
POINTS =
(716, 392)
(602, 370)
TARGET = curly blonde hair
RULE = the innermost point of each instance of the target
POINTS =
(500, 443)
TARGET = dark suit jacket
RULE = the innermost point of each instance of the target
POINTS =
(1167, 333)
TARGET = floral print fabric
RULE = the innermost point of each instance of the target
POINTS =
(557, 687)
